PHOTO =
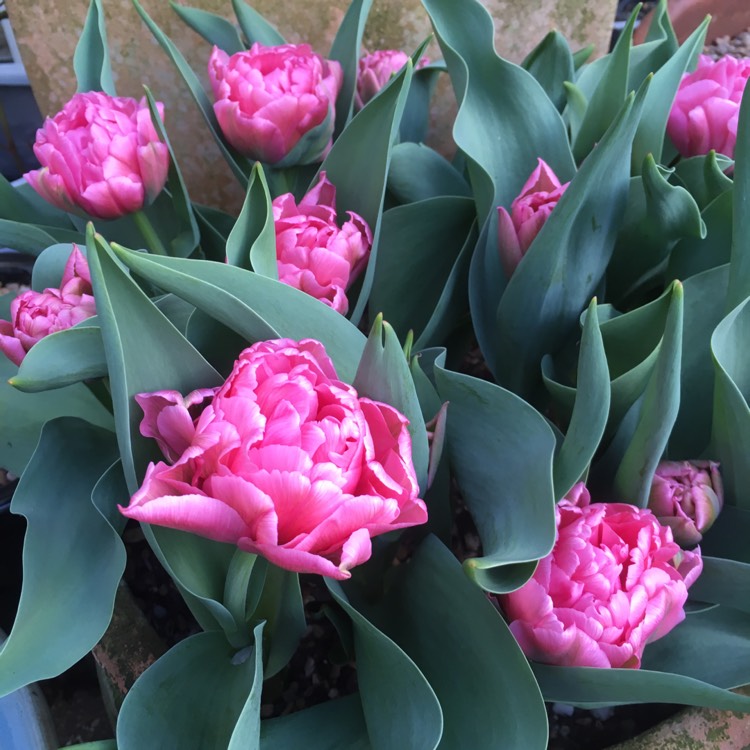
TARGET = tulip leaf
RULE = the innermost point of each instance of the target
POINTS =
(238, 163)
(334, 725)
(91, 58)
(364, 147)
(384, 375)
(416, 118)
(49, 266)
(495, 439)
(727, 538)
(386, 674)
(22, 204)
(215, 227)
(252, 305)
(252, 242)
(658, 412)
(26, 238)
(254, 27)
(551, 63)
(73, 560)
(219, 711)
(420, 243)
(219, 344)
(418, 172)
(725, 582)
(730, 436)
(429, 603)
(704, 176)
(589, 417)
(214, 29)
(562, 268)
(346, 50)
(135, 332)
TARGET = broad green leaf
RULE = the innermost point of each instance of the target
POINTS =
(364, 148)
(345, 49)
(73, 558)
(420, 243)
(252, 305)
(661, 29)
(551, 63)
(49, 266)
(214, 29)
(590, 412)
(254, 27)
(415, 121)
(214, 226)
(384, 375)
(725, 582)
(91, 57)
(30, 239)
(730, 435)
(658, 412)
(418, 172)
(456, 637)
(201, 695)
(727, 538)
(386, 675)
(704, 176)
(238, 163)
(334, 725)
(144, 352)
(219, 344)
(98, 745)
(496, 440)
(21, 203)
(252, 242)
(562, 268)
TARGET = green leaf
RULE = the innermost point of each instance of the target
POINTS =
(432, 604)
(254, 27)
(725, 582)
(418, 172)
(144, 351)
(730, 436)
(364, 148)
(385, 675)
(252, 305)
(238, 163)
(346, 50)
(26, 238)
(214, 29)
(384, 375)
(590, 412)
(252, 242)
(420, 243)
(415, 121)
(496, 440)
(91, 57)
(73, 560)
(167, 706)
(22, 204)
(551, 63)
(49, 266)
(704, 176)
(727, 538)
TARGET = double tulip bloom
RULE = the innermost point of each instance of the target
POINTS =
(706, 109)
(35, 315)
(528, 213)
(100, 155)
(276, 104)
(376, 69)
(313, 253)
(614, 581)
(284, 460)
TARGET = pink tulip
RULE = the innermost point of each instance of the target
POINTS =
(35, 315)
(314, 254)
(100, 155)
(285, 461)
(376, 69)
(268, 99)
(687, 496)
(528, 212)
(707, 106)
(614, 581)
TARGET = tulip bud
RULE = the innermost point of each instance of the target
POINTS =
(101, 156)
(276, 104)
(376, 69)
(528, 212)
(687, 496)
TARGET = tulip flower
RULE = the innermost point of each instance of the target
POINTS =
(35, 315)
(706, 109)
(614, 582)
(285, 461)
(528, 212)
(276, 104)
(315, 254)
(101, 156)
(687, 496)
(376, 69)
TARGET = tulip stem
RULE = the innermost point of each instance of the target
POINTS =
(242, 591)
(146, 228)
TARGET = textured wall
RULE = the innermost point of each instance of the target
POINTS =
(47, 32)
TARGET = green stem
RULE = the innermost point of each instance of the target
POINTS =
(146, 228)
(243, 568)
